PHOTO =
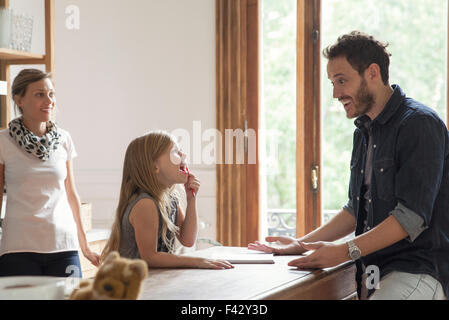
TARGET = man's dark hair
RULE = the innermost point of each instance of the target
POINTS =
(361, 50)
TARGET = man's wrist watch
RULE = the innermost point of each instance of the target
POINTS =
(353, 251)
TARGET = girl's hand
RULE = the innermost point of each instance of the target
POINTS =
(203, 263)
(282, 246)
(93, 257)
(192, 186)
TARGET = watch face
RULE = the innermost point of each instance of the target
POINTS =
(354, 254)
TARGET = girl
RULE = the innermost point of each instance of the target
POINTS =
(42, 219)
(148, 216)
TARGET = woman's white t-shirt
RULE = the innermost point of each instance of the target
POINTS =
(38, 216)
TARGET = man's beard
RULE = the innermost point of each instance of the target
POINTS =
(364, 100)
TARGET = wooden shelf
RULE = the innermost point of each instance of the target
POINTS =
(11, 55)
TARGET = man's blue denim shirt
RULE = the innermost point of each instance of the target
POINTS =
(411, 170)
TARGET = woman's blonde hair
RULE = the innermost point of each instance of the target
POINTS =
(139, 176)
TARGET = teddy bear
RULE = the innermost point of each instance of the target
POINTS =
(117, 279)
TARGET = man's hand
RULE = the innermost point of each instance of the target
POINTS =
(324, 255)
(278, 245)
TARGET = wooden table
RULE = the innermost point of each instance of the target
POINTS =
(250, 282)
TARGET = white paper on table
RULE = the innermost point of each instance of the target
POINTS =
(249, 257)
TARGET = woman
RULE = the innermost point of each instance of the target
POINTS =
(42, 226)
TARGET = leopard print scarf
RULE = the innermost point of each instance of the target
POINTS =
(40, 147)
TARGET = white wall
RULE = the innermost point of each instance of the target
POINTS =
(133, 66)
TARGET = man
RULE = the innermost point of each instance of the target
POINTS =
(399, 188)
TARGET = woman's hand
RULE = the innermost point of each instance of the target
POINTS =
(75, 205)
(192, 186)
(282, 246)
(93, 257)
(203, 263)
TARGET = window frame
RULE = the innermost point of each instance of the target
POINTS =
(308, 132)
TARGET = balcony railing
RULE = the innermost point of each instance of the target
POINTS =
(282, 222)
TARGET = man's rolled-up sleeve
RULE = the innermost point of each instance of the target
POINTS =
(348, 207)
(412, 223)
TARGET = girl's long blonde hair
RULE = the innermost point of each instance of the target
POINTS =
(139, 176)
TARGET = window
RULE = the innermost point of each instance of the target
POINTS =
(278, 117)
(417, 32)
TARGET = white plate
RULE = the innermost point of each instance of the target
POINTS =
(32, 288)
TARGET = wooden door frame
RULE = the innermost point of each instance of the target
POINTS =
(237, 71)
(308, 156)
(252, 112)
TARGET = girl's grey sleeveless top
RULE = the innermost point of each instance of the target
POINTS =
(128, 246)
